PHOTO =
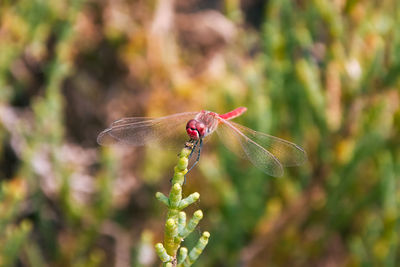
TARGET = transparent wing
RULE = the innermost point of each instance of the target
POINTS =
(140, 131)
(124, 121)
(268, 153)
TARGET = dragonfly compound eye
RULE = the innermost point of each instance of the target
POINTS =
(191, 129)
(201, 128)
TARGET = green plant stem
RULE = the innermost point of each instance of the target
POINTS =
(176, 228)
(197, 250)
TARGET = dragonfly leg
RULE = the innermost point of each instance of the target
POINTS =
(200, 143)
(192, 144)
(198, 155)
(193, 148)
(191, 153)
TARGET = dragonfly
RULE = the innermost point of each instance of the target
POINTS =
(268, 153)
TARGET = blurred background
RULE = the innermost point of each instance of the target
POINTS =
(323, 74)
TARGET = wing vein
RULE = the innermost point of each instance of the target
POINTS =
(271, 165)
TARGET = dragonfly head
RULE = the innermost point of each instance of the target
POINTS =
(195, 129)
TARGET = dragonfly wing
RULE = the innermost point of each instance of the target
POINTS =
(130, 120)
(288, 153)
(266, 152)
(247, 148)
(141, 131)
(231, 139)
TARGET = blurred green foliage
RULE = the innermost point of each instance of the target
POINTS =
(323, 74)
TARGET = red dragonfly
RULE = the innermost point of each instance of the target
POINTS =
(270, 154)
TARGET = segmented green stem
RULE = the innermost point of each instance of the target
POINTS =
(176, 228)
